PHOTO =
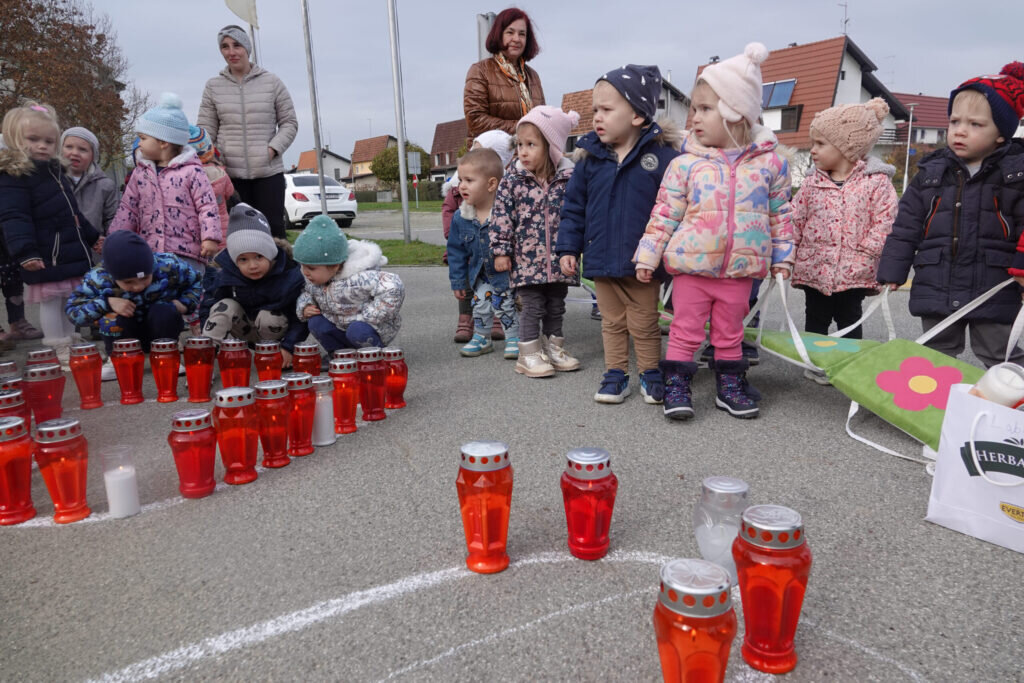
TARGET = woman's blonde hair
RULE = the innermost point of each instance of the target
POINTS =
(18, 118)
(738, 131)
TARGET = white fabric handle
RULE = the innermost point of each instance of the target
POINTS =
(974, 455)
(927, 336)
(1015, 332)
(854, 407)
(880, 300)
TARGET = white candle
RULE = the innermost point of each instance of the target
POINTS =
(1003, 384)
(323, 420)
(122, 491)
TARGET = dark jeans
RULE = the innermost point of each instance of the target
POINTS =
(356, 336)
(13, 290)
(266, 195)
(542, 304)
(162, 321)
(843, 307)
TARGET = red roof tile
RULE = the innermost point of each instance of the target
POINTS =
(307, 161)
(366, 150)
(582, 101)
(930, 111)
(449, 137)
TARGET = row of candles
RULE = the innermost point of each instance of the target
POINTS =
(288, 413)
(761, 548)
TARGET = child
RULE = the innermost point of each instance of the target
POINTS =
(525, 231)
(470, 260)
(169, 200)
(94, 190)
(223, 190)
(841, 217)
(960, 220)
(722, 218)
(252, 292)
(349, 302)
(134, 294)
(45, 232)
(13, 290)
(607, 205)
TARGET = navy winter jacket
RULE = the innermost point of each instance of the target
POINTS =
(41, 220)
(607, 204)
(469, 252)
(960, 233)
(277, 291)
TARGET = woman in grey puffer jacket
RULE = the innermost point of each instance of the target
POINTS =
(250, 116)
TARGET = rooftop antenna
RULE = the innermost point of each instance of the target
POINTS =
(846, 20)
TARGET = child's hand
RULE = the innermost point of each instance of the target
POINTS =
(208, 249)
(460, 294)
(502, 263)
(568, 265)
(123, 307)
(778, 270)
(180, 307)
(893, 286)
(34, 264)
(309, 311)
(286, 358)
(98, 247)
(644, 275)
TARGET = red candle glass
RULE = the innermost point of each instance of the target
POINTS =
(371, 383)
(43, 389)
(12, 404)
(694, 621)
(86, 365)
(484, 486)
(238, 433)
(396, 378)
(306, 358)
(10, 383)
(234, 360)
(42, 356)
(129, 363)
(164, 361)
(194, 445)
(273, 405)
(345, 376)
(199, 355)
(268, 360)
(300, 419)
(773, 563)
(15, 471)
(63, 457)
(588, 492)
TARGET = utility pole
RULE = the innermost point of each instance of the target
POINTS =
(396, 77)
(910, 136)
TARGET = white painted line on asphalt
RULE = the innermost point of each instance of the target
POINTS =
(864, 648)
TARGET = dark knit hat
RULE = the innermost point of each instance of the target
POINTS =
(126, 255)
(639, 84)
(1005, 95)
(249, 232)
(322, 243)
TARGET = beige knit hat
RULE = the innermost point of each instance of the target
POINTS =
(852, 128)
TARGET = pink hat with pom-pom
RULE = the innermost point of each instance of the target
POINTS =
(554, 124)
(852, 128)
(737, 82)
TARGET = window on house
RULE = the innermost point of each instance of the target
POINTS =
(437, 159)
(570, 143)
(780, 93)
(337, 174)
(942, 134)
(842, 74)
(791, 119)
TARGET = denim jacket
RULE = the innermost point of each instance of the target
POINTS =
(469, 252)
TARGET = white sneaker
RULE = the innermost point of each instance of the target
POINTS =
(819, 377)
(107, 373)
(181, 369)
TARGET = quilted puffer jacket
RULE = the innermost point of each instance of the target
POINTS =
(97, 198)
(491, 101)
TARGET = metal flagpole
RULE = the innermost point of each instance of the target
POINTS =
(910, 135)
(396, 76)
(316, 106)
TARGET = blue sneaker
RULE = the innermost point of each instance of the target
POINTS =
(652, 387)
(511, 348)
(477, 346)
(614, 387)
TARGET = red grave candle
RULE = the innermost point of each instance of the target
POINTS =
(129, 363)
(12, 404)
(86, 365)
(193, 443)
(234, 360)
(43, 388)
(62, 454)
(10, 383)
(484, 486)
(238, 433)
(588, 492)
(268, 360)
(344, 354)
(41, 356)
(8, 368)
(395, 379)
(345, 376)
(371, 383)
(273, 405)
(16, 448)
(164, 361)
(306, 358)
(694, 621)
(773, 563)
(300, 420)
(199, 355)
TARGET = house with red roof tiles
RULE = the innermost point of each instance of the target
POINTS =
(930, 119)
(672, 104)
(335, 165)
(363, 153)
(449, 138)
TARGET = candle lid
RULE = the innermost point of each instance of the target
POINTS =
(306, 349)
(232, 344)
(298, 380)
(266, 347)
(349, 354)
(198, 343)
(342, 366)
(322, 384)
(12, 428)
(127, 346)
(369, 353)
(10, 383)
(695, 588)
(234, 397)
(484, 456)
(271, 388)
(772, 526)
(40, 355)
(725, 485)
(8, 368)
(84, 349)
(392, 353)
(588, 463)
(60, 429)
(42, 373)
(191, 420)
(163, 345)
(10, 398)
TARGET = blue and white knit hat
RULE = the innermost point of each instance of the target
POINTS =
(640, 85)
(166, 121)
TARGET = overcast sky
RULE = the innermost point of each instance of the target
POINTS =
(919, 46)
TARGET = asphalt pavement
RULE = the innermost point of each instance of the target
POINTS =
(349, 563)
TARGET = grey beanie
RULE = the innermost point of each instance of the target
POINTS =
(249, 231)
(238, 34)
(85, 134)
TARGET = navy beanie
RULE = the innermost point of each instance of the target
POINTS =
(126, 255)
(640, 85)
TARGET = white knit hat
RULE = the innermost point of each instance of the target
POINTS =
(500, 142)
(737, 82)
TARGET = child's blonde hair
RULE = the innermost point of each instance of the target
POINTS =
(18, 118)
(974, 101)
(549, 168)
(738, 131)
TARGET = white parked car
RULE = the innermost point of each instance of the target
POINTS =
(302, 200)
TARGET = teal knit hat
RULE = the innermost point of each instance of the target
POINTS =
(322, 243)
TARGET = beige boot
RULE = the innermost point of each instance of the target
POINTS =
(530, 362)
(62, 346)
(560, 360)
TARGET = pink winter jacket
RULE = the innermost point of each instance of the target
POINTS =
(223, 188)
(840, 231)
(175, 210)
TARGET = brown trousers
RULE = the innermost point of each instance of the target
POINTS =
(629, 308)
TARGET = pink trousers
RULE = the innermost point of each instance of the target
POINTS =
(694, 299)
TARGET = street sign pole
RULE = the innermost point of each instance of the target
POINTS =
(315, 105)
(396, 77)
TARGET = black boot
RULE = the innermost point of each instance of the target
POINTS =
(734, 392)
(678, 404)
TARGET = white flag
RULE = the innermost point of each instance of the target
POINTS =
(245, 9)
